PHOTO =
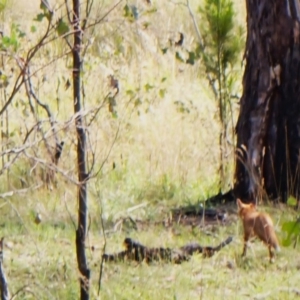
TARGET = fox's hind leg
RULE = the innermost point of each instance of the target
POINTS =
(244, 249)
(271, 254)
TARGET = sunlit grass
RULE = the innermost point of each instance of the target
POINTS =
(43, 257)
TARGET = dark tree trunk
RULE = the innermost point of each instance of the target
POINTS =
(268, 128)
(5, 295)
(81, 231)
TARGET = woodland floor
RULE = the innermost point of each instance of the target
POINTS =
(40, 260)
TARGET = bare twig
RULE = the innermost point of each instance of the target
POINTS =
(53, 167)
(20, 290)
(88, 9)
(97, 110)
(26, 228)
(104, 16)
(17, 151)
(200, 39)
(103, 251)
(30, 55)
(108, 154)
(26, 289)
(30, 93)
(68, 11)
(69, 213)
(131, 209)
(18, 192)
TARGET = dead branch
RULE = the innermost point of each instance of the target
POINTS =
(17, 151)
(97, 110)
(69, 213)
(30, 93)
(19, 192)
(104, 16)
(108, 154)
(30, 55)
(53, 167)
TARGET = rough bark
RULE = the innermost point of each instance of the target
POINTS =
(81, 231)
(268, 128)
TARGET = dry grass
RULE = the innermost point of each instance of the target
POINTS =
(162, 157)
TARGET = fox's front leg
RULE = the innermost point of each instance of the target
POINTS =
(246, 238)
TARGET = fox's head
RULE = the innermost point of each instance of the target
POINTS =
(244, 208)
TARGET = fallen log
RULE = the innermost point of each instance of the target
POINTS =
(135, 251)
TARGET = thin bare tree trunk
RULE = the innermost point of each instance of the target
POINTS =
(268, 127)
(81, 231)
(3, 282)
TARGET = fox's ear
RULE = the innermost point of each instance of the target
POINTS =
(239, 203)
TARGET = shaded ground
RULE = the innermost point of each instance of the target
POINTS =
(194, 216)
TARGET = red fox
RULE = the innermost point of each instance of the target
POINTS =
(259, 224)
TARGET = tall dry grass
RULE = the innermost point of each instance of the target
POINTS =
(166, 130)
